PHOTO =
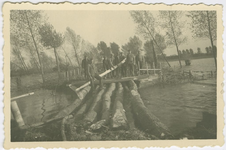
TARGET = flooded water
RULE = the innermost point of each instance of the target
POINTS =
(180, 107)
(206, 64)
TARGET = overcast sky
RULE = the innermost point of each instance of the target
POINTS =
(111, 26)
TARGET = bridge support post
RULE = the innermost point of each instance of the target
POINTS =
(16, 113)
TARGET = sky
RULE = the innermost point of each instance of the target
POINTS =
(112, 26)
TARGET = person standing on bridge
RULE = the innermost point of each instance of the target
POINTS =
(92, 73)
(104, 63)
(130, 63)
(110, 65)
(123, 66)
(116, 62)
(85, 66)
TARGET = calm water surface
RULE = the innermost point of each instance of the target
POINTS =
(181, 106)
(206, 64)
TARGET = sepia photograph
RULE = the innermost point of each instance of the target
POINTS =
(113, 75)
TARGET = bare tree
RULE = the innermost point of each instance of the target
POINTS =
(173, 25)
(24, 24)
(146, 26)
(204, 25)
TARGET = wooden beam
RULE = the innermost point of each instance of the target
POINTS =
(149, 69)
(17, 97)
(101, 75)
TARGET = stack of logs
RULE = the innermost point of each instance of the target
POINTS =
(116, 106)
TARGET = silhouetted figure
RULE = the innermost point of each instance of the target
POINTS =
(130, 63)
(85, 66)
(116, 62)
(92, 73)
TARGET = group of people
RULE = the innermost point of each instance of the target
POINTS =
(122, 70)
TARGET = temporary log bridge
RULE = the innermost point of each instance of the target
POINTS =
(117, 105)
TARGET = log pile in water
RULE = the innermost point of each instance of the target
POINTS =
(113, 110)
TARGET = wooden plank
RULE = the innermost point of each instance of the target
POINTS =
(149, 69)
(17, 97)
(105, 81)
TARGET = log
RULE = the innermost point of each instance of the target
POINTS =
(91, 115)
(107, 102)
(64, 137)
(147, 120)
(80, 113)
(128, 108)
(119, 118)
(69, 109)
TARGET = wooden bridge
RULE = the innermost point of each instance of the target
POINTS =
(118, 104)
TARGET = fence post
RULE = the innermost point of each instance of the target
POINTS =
(154, 67)
(17, 115)
(147, 67)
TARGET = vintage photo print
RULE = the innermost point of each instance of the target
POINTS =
(112, 75)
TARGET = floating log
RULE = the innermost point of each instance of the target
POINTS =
(66, 111)
(107, 102)
(119, 118)
(91, 115)
(147, 120)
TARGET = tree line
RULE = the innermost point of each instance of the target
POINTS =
(31, 36)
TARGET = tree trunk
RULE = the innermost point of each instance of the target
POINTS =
(33, 57)
(22, 60)
(91, 115)
(175, 39)
(128, 107)
(18, 56)
(68, 57)
(119, 118)
(158, 46)
(57, 63)
(147, 121)
(36, 48)
(154, 54)
(211, 39)
(107, 102)
(76, 55)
